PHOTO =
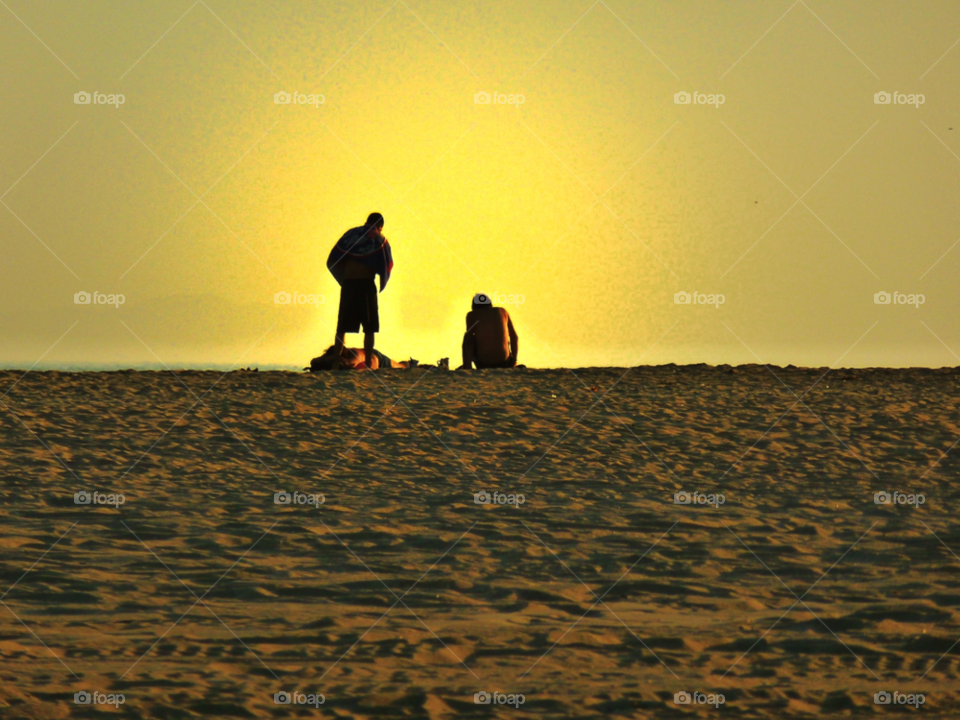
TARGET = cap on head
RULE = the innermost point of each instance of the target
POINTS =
(374, 220)
(481, 300)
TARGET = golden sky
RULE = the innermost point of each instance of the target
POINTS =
(595, 201)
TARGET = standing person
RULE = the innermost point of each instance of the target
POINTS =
(362, 253)
(490, 340)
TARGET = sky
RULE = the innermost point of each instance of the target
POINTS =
(591, 201)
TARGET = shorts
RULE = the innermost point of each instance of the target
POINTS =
(358, 307)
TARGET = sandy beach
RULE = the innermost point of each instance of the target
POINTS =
(797, 595)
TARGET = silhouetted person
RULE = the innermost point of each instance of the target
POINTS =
(490, 340)
(361, 254)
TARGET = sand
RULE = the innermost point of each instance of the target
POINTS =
(402, 597)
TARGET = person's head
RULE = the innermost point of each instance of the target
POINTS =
(481, 301)
(374, 222)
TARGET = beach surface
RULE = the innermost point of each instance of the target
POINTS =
(392, 592)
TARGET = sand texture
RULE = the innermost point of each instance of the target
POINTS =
(799, 596)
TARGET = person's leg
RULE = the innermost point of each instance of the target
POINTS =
(368, 349)
(467, 352)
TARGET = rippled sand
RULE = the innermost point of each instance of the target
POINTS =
(402, 597)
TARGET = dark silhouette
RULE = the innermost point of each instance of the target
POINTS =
(490, 340)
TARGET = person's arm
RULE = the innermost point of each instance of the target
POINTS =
(469, 343)
(514, 340)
